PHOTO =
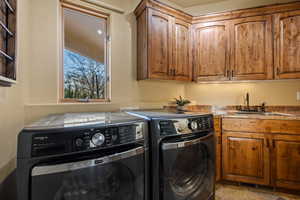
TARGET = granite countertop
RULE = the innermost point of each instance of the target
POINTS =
(231, 111)
(270, 115)
(70, 120)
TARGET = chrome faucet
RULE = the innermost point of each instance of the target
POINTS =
(248, 101)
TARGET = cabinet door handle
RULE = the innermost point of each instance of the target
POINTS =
(228, 73)
(174, 72)
(273, 144)
(277, 71)
(232, 73)
(268, 143)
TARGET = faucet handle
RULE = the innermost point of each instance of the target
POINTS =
(263, 106)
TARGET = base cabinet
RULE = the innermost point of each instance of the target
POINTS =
(286, 161)
(263, 152)
(246, 158)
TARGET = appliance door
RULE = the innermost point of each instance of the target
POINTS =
(114, 177)
(188, 168)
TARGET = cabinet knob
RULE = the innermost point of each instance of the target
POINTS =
(277, 71)
(268, 143)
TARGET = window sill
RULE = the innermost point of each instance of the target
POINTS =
(70, 104)
(93, 101)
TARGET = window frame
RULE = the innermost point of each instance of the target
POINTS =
(99, 14)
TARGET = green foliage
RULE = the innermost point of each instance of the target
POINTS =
(181, 101)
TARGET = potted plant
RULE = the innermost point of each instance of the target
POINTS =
(181, 102)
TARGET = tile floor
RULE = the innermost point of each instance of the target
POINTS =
(232, 192)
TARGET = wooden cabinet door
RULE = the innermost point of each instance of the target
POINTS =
(287, 45)
(251, 48)
(182, 51)
(160, 45)
(286, 161)
(246, 157)
(211, 51)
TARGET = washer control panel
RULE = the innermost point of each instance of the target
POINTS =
(86, 139)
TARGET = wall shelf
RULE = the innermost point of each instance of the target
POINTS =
(7, 43)
(9, 6)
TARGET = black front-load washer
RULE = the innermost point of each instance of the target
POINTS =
(87, 156)
(182, 155)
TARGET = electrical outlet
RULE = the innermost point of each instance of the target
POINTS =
(298, 96)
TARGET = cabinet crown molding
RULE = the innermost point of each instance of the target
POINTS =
(218, 16)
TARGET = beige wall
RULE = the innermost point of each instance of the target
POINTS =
(43, 82)
(271, 92)
(227, 5)
(11, 99)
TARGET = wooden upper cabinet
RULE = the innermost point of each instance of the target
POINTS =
(287, 45)
(160, 45)
(246, 158)
(182, 51)
(211, 51)
(250, 44)
(286, 161)
(164, 47)
(251, 48)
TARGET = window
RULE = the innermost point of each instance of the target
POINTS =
(85, 53)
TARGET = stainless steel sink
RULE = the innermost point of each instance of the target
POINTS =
(263, 113)
(277, 114)
(249, 113)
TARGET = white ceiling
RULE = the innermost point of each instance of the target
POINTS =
(81, 34)
(190, 3)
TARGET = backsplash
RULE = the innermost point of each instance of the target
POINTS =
(271, 92)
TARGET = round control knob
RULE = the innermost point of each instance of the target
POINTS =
(79, 142)
(194, 125)
(98, 139)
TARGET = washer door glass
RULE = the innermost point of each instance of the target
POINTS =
(188, 169)
(103, 179)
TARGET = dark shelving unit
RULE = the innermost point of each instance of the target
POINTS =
(7, 42)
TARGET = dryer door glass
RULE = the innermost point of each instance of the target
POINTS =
(188, 168)
(116, 177)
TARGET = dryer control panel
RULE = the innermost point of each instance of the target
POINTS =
(86, 139)
(186, 125)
